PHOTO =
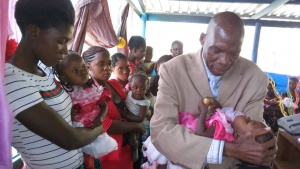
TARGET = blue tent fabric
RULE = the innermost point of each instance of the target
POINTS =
(280, 80)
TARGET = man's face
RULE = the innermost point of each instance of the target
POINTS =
(221, 49)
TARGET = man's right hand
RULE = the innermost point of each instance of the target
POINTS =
(247, 149)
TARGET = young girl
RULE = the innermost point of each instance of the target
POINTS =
(229, 125)
(120, 68)
(137, 105)
(137, 50)
(89, 100)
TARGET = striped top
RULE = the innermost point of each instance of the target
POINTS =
(24, 90)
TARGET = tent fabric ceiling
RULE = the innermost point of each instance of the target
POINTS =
(278, 10)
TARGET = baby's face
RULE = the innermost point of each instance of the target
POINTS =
(242, 124)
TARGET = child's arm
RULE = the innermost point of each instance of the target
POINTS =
(102, 114)
(140, 118)
(201, 129)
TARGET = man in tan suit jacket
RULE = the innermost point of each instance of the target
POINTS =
(184, 81)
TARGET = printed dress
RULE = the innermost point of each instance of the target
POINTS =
(86, 102)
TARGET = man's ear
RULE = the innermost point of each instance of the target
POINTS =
(202, 38)
(33, 31)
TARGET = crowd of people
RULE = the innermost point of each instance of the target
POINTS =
(110, 111)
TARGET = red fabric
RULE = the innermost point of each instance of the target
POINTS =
(11, 47)
(120, 158)
(132, 66)
(123, 163)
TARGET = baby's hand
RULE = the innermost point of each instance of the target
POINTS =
(202, 105)
(74, 112)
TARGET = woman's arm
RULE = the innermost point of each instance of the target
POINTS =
(45, 122)
(140, 118)
(120, 127)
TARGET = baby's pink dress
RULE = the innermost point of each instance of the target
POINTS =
(222, 119)
(86, 101)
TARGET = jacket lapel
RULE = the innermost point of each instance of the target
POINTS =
(198, 75)
(229, 83)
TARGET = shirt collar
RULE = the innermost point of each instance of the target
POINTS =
(209, 74)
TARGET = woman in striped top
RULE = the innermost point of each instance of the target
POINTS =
(42, 127)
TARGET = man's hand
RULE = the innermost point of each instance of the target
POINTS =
(247, 149)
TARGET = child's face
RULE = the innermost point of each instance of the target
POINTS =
(121, 70)
(292, 84)
(139, 87)
(100, 67)
(74, 70)
(176, 50)
(242, 124)
(140, 52)
(149, 54)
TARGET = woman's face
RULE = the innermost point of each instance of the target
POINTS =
(121, 70)
(100, 67)
(50, 45)
(139, 52)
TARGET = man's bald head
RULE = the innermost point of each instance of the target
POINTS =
(221, 45)
(227, 22)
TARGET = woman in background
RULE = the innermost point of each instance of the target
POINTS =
(99, 64)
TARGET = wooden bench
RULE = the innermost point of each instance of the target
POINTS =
(288, 154)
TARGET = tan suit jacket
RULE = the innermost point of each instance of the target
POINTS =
(183, 83)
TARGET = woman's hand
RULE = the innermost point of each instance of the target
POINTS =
(123, 112)
(97, 122)
(141, 127)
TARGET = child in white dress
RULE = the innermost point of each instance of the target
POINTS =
(138, 107)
